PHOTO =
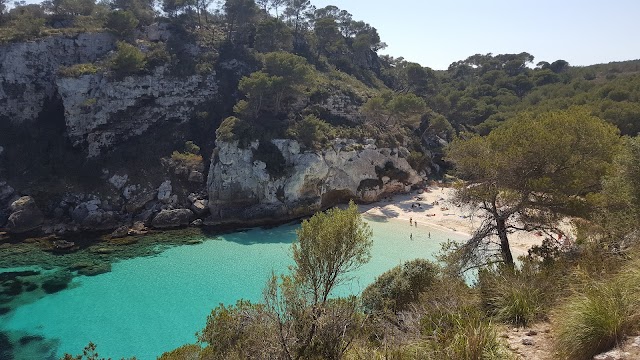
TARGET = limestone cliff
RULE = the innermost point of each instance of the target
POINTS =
(28, 70)
(100, 112)
(241, 187)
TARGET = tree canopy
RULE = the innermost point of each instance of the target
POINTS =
(528, 173)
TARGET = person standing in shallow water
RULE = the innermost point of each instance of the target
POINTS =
(411, 236)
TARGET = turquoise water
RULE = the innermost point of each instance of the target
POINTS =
(148, 305)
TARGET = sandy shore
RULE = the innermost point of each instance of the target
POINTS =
(437, 211)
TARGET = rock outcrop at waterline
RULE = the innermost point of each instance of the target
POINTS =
(243, 187)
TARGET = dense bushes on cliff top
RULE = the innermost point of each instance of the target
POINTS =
(341, 62)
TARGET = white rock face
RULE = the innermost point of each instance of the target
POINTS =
(29, 70)
(101, 112)
(164, 191)
(118, 181)
(240, 187)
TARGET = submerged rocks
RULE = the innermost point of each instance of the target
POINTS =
(25, 216)
(57, 282)
(172, 218)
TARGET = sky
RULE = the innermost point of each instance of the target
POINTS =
(436, 33)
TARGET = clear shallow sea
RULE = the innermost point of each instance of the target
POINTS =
(148, 305)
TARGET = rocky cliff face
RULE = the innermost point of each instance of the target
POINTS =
(242, 189)
(100, 112)
(28, 70)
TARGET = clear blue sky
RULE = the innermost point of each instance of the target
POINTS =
(436, 33)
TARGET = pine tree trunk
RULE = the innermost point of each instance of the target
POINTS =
(505, 249)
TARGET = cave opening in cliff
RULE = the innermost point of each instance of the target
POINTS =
(37, 152)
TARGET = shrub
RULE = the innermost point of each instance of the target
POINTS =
(597, 319)
(188, 160)
(122, 23)
(27, 27)
(397, 288)
(233, 128)
(312, 132)
(77, 70)
(418, 160)
(512, 296)
(191, 148)
(127, 60)
(157, 55)
(463, 334)
(185, 352)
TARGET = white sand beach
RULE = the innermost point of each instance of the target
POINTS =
(435, 209)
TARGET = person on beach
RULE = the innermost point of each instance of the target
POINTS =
(411, 237)
(415, 223)
(410, 221)
(429, 235)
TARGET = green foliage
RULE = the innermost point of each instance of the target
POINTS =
(185, 352)
(452, 324)
(188, 160)
(233, 128)
(597, 318)
(143, 10)
(273, 35)
(71, 8)
(283, 76)
(331, 244)
(535, 168)
(237, 331)
(89, 353)
(122, 23)
(77, 70)
(397, 288)
(191, 148)
(312, 132)
(157, 55)
(26, 27)
(127, 60)
(519, 296)
(418, 160)
(390, 111)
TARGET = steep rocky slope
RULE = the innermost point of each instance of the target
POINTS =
(93, 152)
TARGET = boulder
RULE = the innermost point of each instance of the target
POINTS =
(615, 354)
(138, 201)
(172, 218)
(25, 216)
(196, 176)
(118, 181)
(200, 207)
(164, 191)
(120, 232)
